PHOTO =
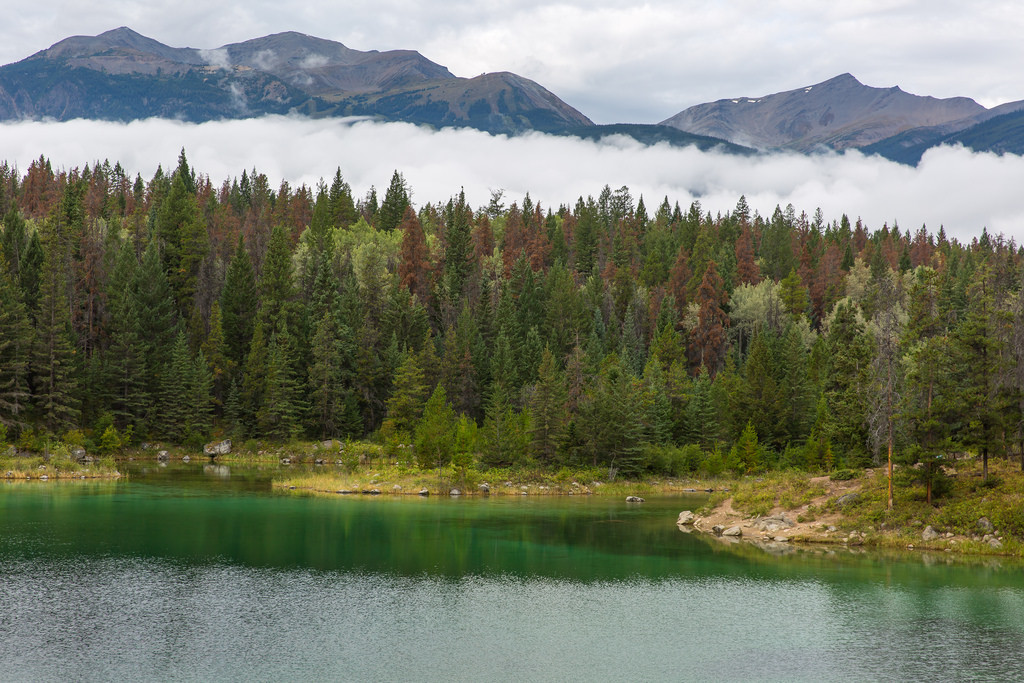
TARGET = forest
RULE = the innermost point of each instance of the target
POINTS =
(604, 332)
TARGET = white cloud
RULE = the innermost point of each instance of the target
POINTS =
(313, 61)
(953, 187)
(218, 58)
(615, 61)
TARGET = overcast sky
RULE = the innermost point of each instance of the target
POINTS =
(640, 63)
(614, 61)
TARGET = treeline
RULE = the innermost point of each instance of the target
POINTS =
(601, 333)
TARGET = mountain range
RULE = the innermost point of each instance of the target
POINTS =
(122, 75)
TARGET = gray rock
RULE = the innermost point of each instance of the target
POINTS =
(985, 525)
(774, 523)
(484, 488)
(162, 456)
(930, 534)
(215, 448)
(424, 492)
(320, 461)
(849, 498)
(455, 492)
(634, 499)
(78, 453)
(286, 461)
(994, 542)
(329, 443)
(686, 517)
(733, 531)
(782, 539)
(717, 529)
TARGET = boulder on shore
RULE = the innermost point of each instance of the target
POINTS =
(162, 456)
(217, 448)
(985, 525)
(733, 531)
(78, 453)
(930, 534)
(634, 499)
(686, 517)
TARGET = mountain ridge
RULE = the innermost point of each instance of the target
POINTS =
(123, 75)
(838, 113)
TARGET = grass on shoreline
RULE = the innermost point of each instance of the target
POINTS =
(961, 501)
(38, 468)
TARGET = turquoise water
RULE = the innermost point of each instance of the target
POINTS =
(183, 575)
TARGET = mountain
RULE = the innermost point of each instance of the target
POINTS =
(121, 75)
(999, 130)
(839, 113)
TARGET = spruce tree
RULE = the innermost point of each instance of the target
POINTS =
(396, 199)
(547, 408)
(238, 304)
(15, 350)
(54, 366)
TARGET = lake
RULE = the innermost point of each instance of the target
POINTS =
(186, 573)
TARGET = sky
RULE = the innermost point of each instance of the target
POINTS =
(614, 61)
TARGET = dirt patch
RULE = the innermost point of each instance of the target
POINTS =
(784, 525)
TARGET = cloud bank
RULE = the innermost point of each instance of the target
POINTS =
(953, 187)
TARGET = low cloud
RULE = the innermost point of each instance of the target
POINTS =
(954, 187)
(218, 58)
(265, 59)
(313, 61)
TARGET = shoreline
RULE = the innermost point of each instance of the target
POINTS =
(847, 513)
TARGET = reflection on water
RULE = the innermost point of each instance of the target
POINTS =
(199, 574)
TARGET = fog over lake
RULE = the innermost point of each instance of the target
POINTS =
(952, 187)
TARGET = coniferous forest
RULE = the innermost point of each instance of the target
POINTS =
(605, 332)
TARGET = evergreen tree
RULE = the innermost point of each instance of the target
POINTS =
(278, 412)
(174, 408)
(547, 407)
(213, 349)
(846, 385)
(406, 403)
(15, 349)
(435, 433)
(238, 305)
(396, 200)
(54, 367)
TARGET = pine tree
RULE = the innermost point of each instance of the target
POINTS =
(547, 407)
(238, 304)
(276, 285)
(410, 392)
(413, 269)
(328, 380)
(278, 413)
(125, 362)
(213, 349)
(158, 320)
(707, 348)
(174, 409)
(54, 363)
(199, 388)
(396, 199)
(15, 349)
(846, 384)
(181, 231)
(435, 432)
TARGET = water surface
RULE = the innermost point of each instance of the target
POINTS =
(181, 574)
